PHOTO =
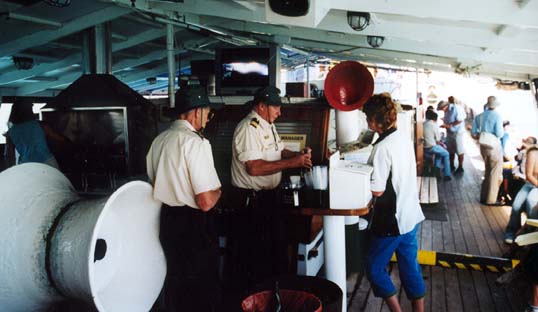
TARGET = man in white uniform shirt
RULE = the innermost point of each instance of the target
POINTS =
(180, 167)
(259, 156)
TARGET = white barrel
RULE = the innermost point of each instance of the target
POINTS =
(56, 244)
(334, 241)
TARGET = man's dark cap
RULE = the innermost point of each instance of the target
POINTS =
(189, 98)
(269, 95)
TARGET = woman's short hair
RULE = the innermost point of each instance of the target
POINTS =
(382, 110)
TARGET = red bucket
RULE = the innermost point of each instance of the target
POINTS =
(291, 300)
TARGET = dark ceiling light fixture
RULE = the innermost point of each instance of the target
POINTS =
(358, 20)
(375, 41)
(23, 63)
(292, 8)
(58, 3)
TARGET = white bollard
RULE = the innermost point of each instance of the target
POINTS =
(56, 244)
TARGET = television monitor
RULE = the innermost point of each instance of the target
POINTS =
(242, 70)
(97, 137)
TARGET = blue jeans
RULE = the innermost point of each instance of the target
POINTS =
(519, 202)
(379, 254)
(442, 159)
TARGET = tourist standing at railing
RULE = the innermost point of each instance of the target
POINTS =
(453, 122)
(488, 129)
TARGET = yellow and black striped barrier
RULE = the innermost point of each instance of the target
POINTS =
(464, 261)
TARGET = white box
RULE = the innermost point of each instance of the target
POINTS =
(349, 183)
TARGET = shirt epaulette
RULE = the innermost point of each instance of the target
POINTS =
(254, 122)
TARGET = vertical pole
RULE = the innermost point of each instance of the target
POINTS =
(99, 35)
(334, 239)
(107, 48)
(171, 63)
(86, 67)
(307, 67)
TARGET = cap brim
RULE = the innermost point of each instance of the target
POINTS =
(216, 105)
(274, 102)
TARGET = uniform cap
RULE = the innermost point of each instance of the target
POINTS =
(190, 98)
(269, 95)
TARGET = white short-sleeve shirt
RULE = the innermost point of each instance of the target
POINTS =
(431, 134)
(395, 154)
(180, 165)
(254, 138)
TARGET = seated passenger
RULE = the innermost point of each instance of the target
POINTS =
(432, 144)
(531, 174)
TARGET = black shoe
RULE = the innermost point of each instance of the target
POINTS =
(447, 178)
(459, 170)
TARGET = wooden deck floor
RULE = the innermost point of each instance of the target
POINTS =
(472, 229)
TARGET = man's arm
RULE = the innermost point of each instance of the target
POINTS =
(474, 130)
(531, 172)
(260, 167)
(207, 200)
(285, 154)
(9, 152)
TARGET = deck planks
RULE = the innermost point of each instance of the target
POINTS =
(471, 228)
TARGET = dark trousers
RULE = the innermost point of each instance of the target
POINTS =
(258, 239)
(190, 245)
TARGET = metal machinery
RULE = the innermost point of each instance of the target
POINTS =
(57, 245)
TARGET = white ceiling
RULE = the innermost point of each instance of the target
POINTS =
(495, 38)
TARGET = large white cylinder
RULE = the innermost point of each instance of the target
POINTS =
(334, 239)
(347, 126)
(56, 244)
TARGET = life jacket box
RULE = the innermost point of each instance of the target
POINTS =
(349, 183)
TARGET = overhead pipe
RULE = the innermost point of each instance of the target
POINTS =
(57, 245)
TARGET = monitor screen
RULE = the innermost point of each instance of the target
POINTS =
(92, 138)
(89, 126)
(243, 69)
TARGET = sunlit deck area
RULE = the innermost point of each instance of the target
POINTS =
(470, 228)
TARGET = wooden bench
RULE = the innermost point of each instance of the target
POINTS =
(427, 190)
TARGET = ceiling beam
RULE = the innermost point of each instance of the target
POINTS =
(37, 87)
(451, 10)
(33, 19)
(391, 43)
(76, 58)
(482, 11)
(62, 81)
(41, 37)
